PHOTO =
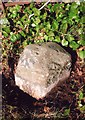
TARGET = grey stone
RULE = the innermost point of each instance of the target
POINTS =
(41, 67)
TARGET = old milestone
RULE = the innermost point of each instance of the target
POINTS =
(41, 67)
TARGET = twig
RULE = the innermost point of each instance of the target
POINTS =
(40, 8)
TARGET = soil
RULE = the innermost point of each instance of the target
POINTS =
(18, 105)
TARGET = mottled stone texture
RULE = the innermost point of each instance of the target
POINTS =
(41, 67)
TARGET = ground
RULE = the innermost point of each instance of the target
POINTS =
(66, 102)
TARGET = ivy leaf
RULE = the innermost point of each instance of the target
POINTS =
(55, 25)
(49, 7)
(17, 8)
(72, 15)
(64, 20)
(6, 29)
(82, 109)
(23, 34)
(74, 45)
(51, 33)
(55, 7)
(74, 6)
(31, 5)
(19, 23)
(64, 42)
(81, 95)
(70, 37)
(81, 42)
(83, 19)
(14, 14)
(26, 10)
(44, 16)
(37, 20)
(64, 27)
(25, 43)
(37, 28)
(13, 37)
(57, 39)
(51, 38)
(48, 25)
(36, 12)
(46, 37)
(5, 34)
(66, 112)
(81, 54)
(67, 6)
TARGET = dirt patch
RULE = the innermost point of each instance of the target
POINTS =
(17, 105)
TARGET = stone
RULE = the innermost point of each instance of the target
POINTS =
(42, 67)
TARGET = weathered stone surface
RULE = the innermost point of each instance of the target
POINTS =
(41, 67)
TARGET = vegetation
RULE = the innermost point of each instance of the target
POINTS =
(61, 23)
(58, 22)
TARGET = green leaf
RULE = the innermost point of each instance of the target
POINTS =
(26, 10)
(44, 16)
(83, 19)
(81, 54)
(81, 42)
(13, 37)
(67, 6)
(51, 33)
(55, 7)
(6, 29)
(66, 112)
(81, 95)
(36, 12)
(5, 34)
(70, 21)
(61, 15)
(14, 14)
(37, 28)
(18, 7)
(31, 5)
(57, 39)
(64, 20)
(64, 27)
(24, 18)
(18, 36)
(23, 34)
(46, 37)
(49, 6)
(55, 25)
(37, 20)
(74, 45)
(70, 37)
(64, 42)
(20, 24)
(74, 6)
(82, 109)
(51, 38)
(48, 25)
(72, 15)
(80, 31)
(25, 43)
